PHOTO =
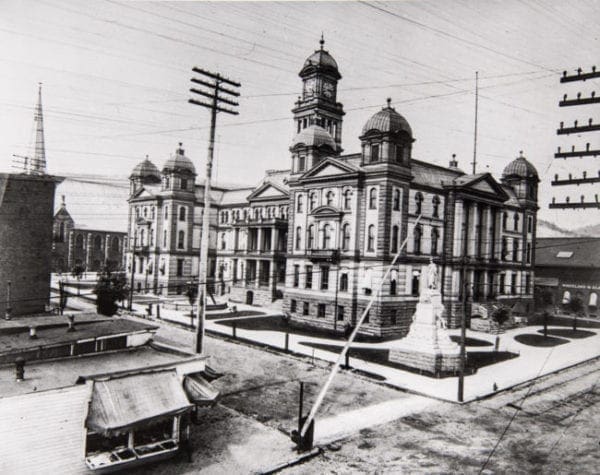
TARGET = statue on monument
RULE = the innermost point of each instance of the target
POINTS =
(432, 275)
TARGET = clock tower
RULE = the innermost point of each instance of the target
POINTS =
(318, 103)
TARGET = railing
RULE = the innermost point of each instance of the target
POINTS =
(330, 255)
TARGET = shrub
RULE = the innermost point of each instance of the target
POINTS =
(500, 315)
(109, 290)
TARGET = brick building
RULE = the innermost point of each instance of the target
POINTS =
(26, 202)
(322, 232)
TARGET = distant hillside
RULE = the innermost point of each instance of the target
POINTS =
(592, 230)
(548, 229)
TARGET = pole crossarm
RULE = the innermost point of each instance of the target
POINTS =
(212, 96)
(342, 354)
(209, 106)
(216, 76)
(212, 86)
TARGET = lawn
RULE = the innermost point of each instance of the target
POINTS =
(533, 339)
(559, 332)
(475, 359)
(278, 324)
(241, 313)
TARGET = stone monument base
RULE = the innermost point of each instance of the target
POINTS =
(428, 347)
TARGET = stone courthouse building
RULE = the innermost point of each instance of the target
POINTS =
(321, 233)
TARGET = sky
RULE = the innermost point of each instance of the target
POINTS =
(116, 77)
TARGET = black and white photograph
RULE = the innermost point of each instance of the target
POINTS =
(299, 237)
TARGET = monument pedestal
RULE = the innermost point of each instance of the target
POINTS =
(428, 347)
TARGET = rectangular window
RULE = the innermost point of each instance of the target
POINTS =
(527, 284)
(321, 310)
(529, 224)
(324, 277)
(183, 184)
(344, 283)
(340, 313)
(502, 284)
(305, 308)
(301, 163)
(296, 275)
(309, 271)
(375, 153)
(293, 306)
(513, 284)
(179, 267)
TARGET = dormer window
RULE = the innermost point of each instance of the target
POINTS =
(375, 153)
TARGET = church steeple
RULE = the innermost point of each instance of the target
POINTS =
(38, 165)
(318, 103)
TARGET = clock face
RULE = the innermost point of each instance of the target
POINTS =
(328, 89)
(310, 87)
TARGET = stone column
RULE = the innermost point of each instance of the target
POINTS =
(258, 239)
(88, 251)
(274, 234)
(106, 247)
(70, 260)
(489, 236)
(458, 223)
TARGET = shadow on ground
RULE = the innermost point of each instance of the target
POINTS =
(533, 339)
(559, 332)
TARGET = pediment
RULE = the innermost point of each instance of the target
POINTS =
(326, 212)
(330, 167)
(268, 191)
(483, 184)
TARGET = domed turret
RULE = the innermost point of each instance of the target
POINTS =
(314, 136)
(387, 121)
(179, 163)
(522, 176)
(387, 137)
(310, 146)
(144, 173)
(146, 170)
(520, 167)
(320, 61)
(179, 173)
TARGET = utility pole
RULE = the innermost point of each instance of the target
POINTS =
(475, 134)
(213, 82)
(463, 332)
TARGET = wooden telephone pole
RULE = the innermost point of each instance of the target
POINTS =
(213, 82)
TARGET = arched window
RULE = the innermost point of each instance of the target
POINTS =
(395, 238)
(373, 198)
(347, 199)
(504, 221)
(528, 253)
(165, 238)
(145, 212)
(142, 238)
(312, 201)
(97, 243)
(301, 163)
(346, 237)
(223, 241)
(310, 237)
(516, 221)
(298, 238)
(393, 287)
(515, 256)
(299, 206)
(399, 153)
(436, 206)
(326, 236)
(371, 238)
(435, 235)
(115, 244)
(329, 198)
(396, 205)
(504, 251)
(182, 213)
(593, 302)
(417, 239)
(166, 212)
(418, 203)
(566, 297)
(79, 241)
(61, 232)
(181, 240)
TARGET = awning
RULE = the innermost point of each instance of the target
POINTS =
(546, 281)
(131, 401)
(199, 391)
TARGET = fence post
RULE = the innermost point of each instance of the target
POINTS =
(287, 342)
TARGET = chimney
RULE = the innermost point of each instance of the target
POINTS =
(20, 368)
(71, 323)
(33, 333)
(454, 162)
